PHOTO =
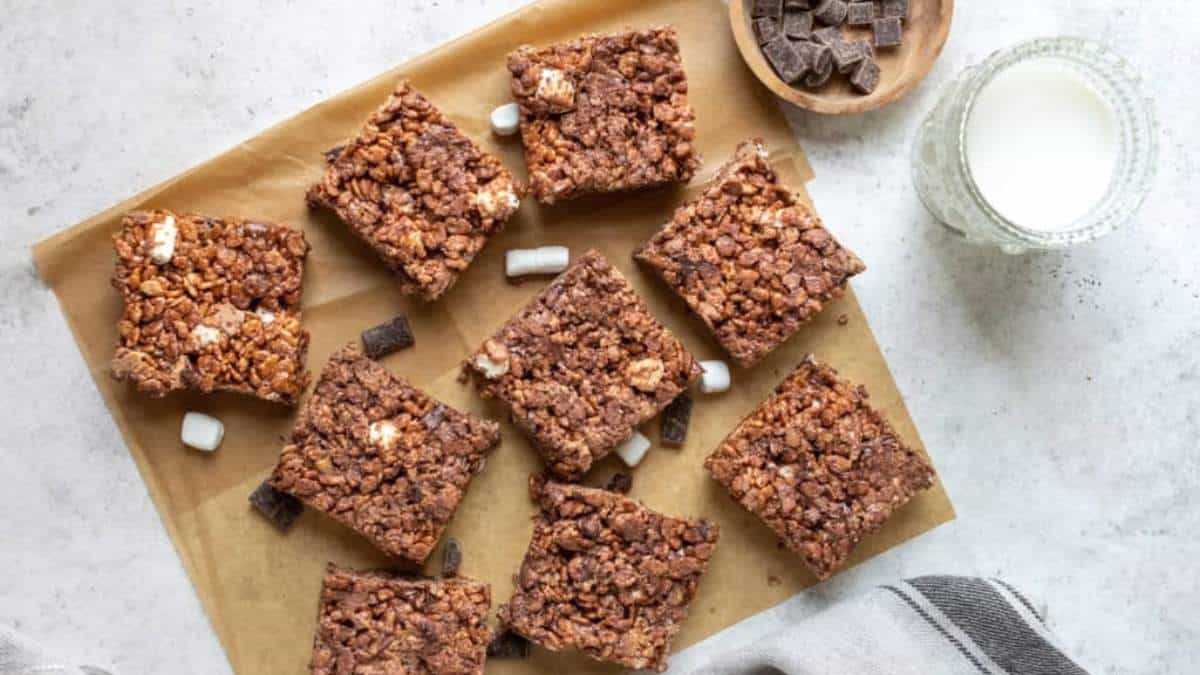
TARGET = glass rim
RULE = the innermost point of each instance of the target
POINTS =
(1067, 48)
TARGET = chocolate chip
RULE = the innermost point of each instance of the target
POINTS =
(333, 153)
(866, 77)
(831, 12)
(888, 32)
(675, 420)
(278, 507)
(798, 25)
(784, 59)
(620, 482)
(387, 338)
(766, 29)
(452, 557)
(821, 70)
(508, 645)
(846, 56)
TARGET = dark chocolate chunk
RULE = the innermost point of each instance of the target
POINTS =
(860, 13)
(332, 154)
(846, 56)
(831, 12)
(433, 418)
(766, 29)
(387, 338)
(866, 77)
(278, 507)
(772, 8)
(784, 59)
(675, 419)
(508, 645)
(827, 36)
(821, 70)
(451, 557)
(895, 9)
(798, 25)
(620, 482)
(810, 54)
(887, 32)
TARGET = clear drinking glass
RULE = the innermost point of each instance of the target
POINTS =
(942, 175)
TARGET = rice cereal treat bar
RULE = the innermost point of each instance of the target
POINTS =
(418, 192)
(582, 365)
(604, 113)
(750, 259)
(376, 622)
(376, 454)
(607, 576)
(211, 304)
(821, 467)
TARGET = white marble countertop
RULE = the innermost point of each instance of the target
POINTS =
(1059, 393)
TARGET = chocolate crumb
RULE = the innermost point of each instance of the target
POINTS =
(452, 557)
(675, 420)
(387, 338)
(278, 507)
(620, 482)
(773, 580)
(333, 153)
(508, 645)
(843, 320)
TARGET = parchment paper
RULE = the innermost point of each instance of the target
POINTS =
(260, 587)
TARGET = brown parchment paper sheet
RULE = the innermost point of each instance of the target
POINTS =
(260, 587)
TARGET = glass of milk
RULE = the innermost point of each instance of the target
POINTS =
(1044, 145)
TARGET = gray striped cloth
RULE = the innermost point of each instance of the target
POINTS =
(939, 625)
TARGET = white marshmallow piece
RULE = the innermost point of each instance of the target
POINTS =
(506, 119)
(633, 450)
(205, 335)
(202, 432)
(715, 378)
(491, 369)
(545, 260)
(162, 238)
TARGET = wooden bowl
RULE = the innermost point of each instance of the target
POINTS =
(902, 67)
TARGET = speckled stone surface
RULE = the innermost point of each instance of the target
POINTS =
(1059, 393)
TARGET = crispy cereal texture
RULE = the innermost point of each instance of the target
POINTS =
(381, 457)
(750, 259)
(376, 623)
(582, 366)
(419, 192)
(607, 576)
(604, 113)
(821, 467)
(211, 304)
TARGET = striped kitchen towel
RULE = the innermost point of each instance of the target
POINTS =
(938, 625)
(21, 656)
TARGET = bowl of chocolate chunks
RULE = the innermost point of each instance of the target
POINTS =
(840, 56)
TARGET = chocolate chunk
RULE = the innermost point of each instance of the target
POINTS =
(866, 77)
(333, 153)
(821, 70)
(508, 645)
(278, 507)
(798, 25)
(387, 338)
(831, 12)
(675, 420)
(784, 59)
(888, 32)
(895, 9)
(772, 8)
(827, 36)
(433, 418)
(860, 13)
(846, 56)
(451, 557)
(767, 29)
(620, 482)
(794, 5)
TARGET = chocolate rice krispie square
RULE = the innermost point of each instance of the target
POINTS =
(419, 192)
(607, 576)
(749, 258)
(380, 456)
(377, 622)
(211, 304)
(582, 365)
(604, 113)
(821, 467)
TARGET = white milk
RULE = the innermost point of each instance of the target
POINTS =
(1042, 145)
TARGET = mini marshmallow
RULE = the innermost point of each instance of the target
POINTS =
(162, 237)
(716, 377)
(545, 260)
(383, 433)
(491, 369)
(634, 449)
(205, 335)
(506, 119)
(266, 316)
(202, 432)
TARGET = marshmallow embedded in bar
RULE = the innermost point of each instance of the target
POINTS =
(506, 119)
(545, 260)
(202, 432)
(715, 378)
(634, 449)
